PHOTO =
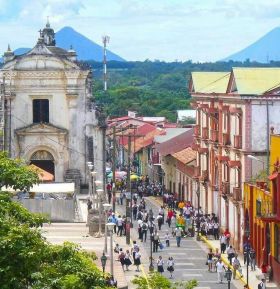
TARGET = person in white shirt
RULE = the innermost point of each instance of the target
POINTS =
(167, 239)
(178, 234)
(120, 225)
(160, 263)
(170, 266)
(262, 284)
(137, 260)
(173, 225)
(220, 271)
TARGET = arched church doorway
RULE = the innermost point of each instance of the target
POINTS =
(44, 160)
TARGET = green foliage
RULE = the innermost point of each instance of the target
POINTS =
(157, 281)
(16, 174)
(260, 176)
(27, 260)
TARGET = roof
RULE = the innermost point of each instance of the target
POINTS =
(170, 133)
(176, 144)
(208, 82)
(145, 141)
(185, 156)
(187, 113)
(256, 80)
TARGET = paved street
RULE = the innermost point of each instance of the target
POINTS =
(189, 259)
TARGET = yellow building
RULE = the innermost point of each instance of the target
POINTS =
(262, 214)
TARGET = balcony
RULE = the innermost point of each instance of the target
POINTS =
(196, 171)
(202, 150)
(238, 141)
(214, 135)
(196, 130)
(204, 176)
(237, 194)
(155, 159)
(205, 133)
(225, 188)
(226, 139)
(195, 146)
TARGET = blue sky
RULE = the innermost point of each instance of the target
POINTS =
(201, 30)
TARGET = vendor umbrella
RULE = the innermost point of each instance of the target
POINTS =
(134, 177)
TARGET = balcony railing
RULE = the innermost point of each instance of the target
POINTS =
(214, 135)
(226, 139)
(205, 132)
(238, 141)
(237, 194)
(225, 188)
(204, 176)
(196, 130)
(196, 171)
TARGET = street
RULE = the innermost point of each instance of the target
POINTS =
(189, 259)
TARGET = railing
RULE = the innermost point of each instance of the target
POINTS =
(226, 139)
(196, 130)
(204, 175)
(205, 132)
(238, 141)
(225, 188)
(237, 194)
(214, 135)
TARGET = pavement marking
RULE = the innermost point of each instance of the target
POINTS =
(192, 275)
(182, 264)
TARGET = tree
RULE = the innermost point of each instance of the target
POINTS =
(27, 260)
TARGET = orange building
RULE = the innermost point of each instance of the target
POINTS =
(262, 214)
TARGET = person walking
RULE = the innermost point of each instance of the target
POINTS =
(160, 221)
(236, 265)
(167, 239)
(170, 266)
(173, 224)
(144, 231)
(156, 242)
(220, 271)
(223, 243)
(127, 261)
(216, 230)
(121, 258)
(262, 284)
(210, 256)
(252, 256)
(160, 264)
(134, 248)
(178, 235)
(137, 259)
(230, 253)
(120, 225)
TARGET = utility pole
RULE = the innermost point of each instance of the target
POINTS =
(2, 117)
(128, 209)
(114, 170)
(105, 40)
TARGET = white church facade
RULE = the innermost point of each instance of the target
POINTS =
(49, 117)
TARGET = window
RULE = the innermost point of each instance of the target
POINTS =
(277, 243)
(40, 110)
(258, 208)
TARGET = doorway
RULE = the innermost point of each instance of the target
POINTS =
(43, 160)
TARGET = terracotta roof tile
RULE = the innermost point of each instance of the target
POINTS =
(185, 156)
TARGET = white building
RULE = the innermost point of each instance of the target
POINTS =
(49, 118)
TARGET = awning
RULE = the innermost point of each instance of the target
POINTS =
(222, 158)
(273, 176)
(52, 188)
(234, 164)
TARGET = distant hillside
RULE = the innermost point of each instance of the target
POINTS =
(85, 48)
(264, 50)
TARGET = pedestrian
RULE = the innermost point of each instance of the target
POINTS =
(230, 253)
(223, 243)
(144, 231)
(160, 221)
(113, 219)
(160, 264)
(134, 248)
(117, 248)
(246, 250)
(161, 212)
(89, 204)
(220, 271)
(134, 211)
(167, 239)
(236, 266)
(151, 226)
(155, 242)
(252, 256)
(137, 261)
(217, 256)
(262, 284)
(216, 230)
(120, 225)
(121, 197)
(127, 261)
(178, 234)
(173, 224)
(140, 222)
(170, 266)
(210, 256)
(121, 258)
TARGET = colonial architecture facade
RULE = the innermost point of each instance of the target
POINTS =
(48, 116)
(234, 113)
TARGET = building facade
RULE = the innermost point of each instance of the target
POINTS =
(47, 112)
(234, 113)
(262, 214)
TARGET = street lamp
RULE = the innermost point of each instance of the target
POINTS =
(228, 274)
(247, 233)
(110, 227)
(198, 209)
(128, 197)
(106, 209)
(256, 159)
(99, 193)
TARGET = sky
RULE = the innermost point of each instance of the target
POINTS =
(197, 30)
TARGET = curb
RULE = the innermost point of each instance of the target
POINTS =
(224, 259)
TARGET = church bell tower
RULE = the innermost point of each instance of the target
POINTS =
(48, 35)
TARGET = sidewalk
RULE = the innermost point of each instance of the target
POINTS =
(254, 277)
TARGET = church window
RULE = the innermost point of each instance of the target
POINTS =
(40, 110)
